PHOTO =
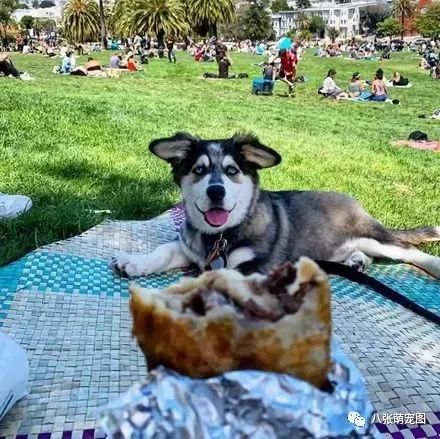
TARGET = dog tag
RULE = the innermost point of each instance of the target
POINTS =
(219, 262)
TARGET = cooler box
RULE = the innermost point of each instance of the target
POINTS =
(262, 86)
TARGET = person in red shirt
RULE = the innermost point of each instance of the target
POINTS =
(288, 69)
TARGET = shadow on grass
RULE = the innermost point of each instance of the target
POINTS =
(61, 214)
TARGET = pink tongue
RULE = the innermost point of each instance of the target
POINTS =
(216, 217)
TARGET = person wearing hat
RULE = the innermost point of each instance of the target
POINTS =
(356, 86)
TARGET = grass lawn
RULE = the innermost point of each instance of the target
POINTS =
(76, 145)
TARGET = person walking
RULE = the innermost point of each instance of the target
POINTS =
(170, 48)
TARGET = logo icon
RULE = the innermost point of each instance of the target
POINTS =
(356, 419)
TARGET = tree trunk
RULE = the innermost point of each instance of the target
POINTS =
(213, 30)
(160, 43)
(104, 40)
(403, 26)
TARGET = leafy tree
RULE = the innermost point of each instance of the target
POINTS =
(27, 22)
(304, 35)
(41, 24)
(255, 23)
(371, 15)
(47, 4)
(403, 9)
(332, 33)
(317, 25)
(81, 20)
(389, 27)
(303, 4)
(280, 5)
(205, 15)
(23, 6)
(35, 4)
(7, 7)
(428, 22)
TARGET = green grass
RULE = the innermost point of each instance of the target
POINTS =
(80, 144)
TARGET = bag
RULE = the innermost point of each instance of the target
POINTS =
(262, 86)
(14, 373)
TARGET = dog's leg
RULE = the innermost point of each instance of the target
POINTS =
(164, 258)
(240, 256)
(359, 261)
(373, 248)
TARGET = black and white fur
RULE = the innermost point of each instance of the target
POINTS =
(263, 228)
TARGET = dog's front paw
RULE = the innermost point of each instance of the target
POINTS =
(129, 265)
(359, 261)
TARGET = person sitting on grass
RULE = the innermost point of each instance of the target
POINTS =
(6, 66)
(115, 61)
(398, 80)
(356, 86)
(329, 87)
(68, 63)
(378, 88)
(288, 69)
(131, 64)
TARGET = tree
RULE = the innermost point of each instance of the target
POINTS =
(389, 27)
(428, 22)
(371, 15)
(103, 26)
(303, 21)
(46, 24)
(23, 6)
(303, 4)
(158, 17)
(35, 3)
(403, 9)
(316, 26)
(280, 5)
(255, 23)
(81, 20)
(47, 4)
(27, 22)
(332, 33)
(7, 7)
(207, 14)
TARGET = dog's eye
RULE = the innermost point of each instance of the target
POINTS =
(199, 170)
(231, 170)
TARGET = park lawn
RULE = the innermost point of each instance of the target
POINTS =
(77, 145)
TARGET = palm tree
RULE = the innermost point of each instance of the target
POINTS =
(103, 25)
(206, 14)
(158, 17)
(81, 20)
(332, 33)
(403, 9)
(303, 21)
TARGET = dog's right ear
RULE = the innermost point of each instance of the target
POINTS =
(173, 149)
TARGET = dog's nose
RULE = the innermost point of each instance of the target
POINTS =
(216, 192)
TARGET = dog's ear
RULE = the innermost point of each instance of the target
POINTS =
(173, 149)
(255, 152)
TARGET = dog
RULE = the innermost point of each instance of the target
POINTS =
(230, 222)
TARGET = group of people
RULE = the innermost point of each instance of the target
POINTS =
(358, 89)
(430, 61)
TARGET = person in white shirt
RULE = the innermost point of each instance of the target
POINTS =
(329, 87)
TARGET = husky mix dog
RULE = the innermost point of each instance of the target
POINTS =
(230, 220)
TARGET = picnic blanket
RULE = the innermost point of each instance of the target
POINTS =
(423, 145)
(390, 84)
(64, 306)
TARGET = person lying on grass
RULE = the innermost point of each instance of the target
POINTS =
(398, 80)
(329, 87)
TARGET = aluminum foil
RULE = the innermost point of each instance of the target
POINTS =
(243, 404)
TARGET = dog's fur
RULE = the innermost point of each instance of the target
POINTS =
(264, 229)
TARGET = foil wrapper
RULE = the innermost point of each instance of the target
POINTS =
(243, 404)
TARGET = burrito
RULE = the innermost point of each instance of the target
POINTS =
(223, 321)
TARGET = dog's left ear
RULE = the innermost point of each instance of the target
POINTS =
(255, 152)
(173, 149)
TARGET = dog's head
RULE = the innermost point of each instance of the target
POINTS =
(217, 177)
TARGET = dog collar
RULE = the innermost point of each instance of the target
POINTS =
(216, 255)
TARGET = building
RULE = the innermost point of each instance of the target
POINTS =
(54, 13)
(344, 15)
